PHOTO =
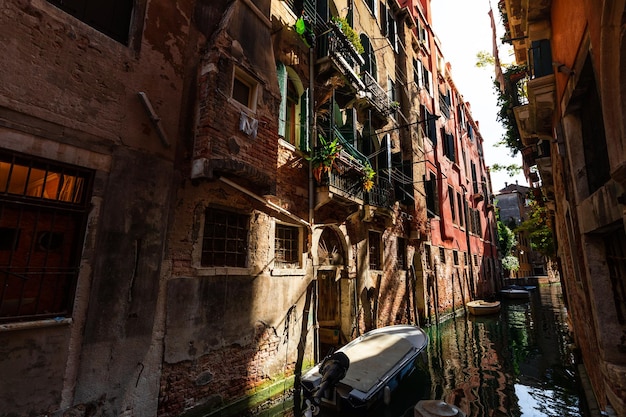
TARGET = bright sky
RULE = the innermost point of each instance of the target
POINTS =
(464, 28)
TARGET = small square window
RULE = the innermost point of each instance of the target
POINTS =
(287, 246)
(244, 89)
(225, 239)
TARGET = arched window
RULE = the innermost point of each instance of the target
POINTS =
(293, 112)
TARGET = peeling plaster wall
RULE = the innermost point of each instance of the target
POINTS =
(69, 93)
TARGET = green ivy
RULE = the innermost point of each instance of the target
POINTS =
(508, 99)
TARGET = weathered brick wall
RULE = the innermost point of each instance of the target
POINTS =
(221, 376)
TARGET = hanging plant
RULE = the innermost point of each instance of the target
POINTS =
(324, 157)
(368, 178)
(350, 33)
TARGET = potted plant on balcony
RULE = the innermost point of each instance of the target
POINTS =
(368, 178)
(324, 156)
(351, 35)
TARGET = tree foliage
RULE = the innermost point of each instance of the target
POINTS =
(508, 98)
(538, 225)
(510, 263)
(506, 239)
(511, 170)
(484, 59)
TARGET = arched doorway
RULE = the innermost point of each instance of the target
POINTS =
(331, 259)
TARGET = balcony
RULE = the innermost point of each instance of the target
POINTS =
(335, 48)
(375, 97)
(381, 195)
(344, 183)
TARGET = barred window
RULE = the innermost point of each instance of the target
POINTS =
(225, 239)
(43, 213)
(287, 246)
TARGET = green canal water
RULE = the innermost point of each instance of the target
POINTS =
(515, 363)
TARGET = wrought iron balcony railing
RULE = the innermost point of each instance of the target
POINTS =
(376, 94)
(381, 195)
(335, 45)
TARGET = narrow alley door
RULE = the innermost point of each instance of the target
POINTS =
(331, 258)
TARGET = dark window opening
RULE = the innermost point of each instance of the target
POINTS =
(593, 135)
(375, 250)
(452, 204)
(287, 246)
(401, 253)
(111, 17)
(225, 239)
(241, 92)
(432, 206)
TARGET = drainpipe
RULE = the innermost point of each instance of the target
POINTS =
(313, 133)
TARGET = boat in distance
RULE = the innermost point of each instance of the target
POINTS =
(366, 370)
(482, 307)
(515, 292)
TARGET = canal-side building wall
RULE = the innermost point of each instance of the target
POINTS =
(513, 204)
(91, 122)
(572, 130)
(163, 166)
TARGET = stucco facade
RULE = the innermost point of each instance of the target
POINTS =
(167, 243)
(573, 132)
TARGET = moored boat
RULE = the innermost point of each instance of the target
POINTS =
(482, 307)
(366, 370)
(515, 293)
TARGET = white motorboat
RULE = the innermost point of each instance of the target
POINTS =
(366, 370)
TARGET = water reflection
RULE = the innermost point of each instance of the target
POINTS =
(515, 363)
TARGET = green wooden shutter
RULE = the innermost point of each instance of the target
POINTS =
(281, 72)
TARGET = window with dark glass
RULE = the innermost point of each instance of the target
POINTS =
(43, 213)
(448, 146)
(225, 239)
(452, 204)
(111, 17)
(442, 255)
(287, 246)
(427, 256)
(430, 185)
(375, 249)
(401, 253)
(455, 256)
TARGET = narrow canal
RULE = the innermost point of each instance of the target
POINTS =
(515, 363)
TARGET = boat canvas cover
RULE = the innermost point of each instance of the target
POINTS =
(372, 358)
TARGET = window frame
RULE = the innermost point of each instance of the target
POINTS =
(249, 81)
(379, 249)
(297, 262)
(52, 245)
(243, 254)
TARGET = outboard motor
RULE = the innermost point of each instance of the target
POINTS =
(333, 370)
